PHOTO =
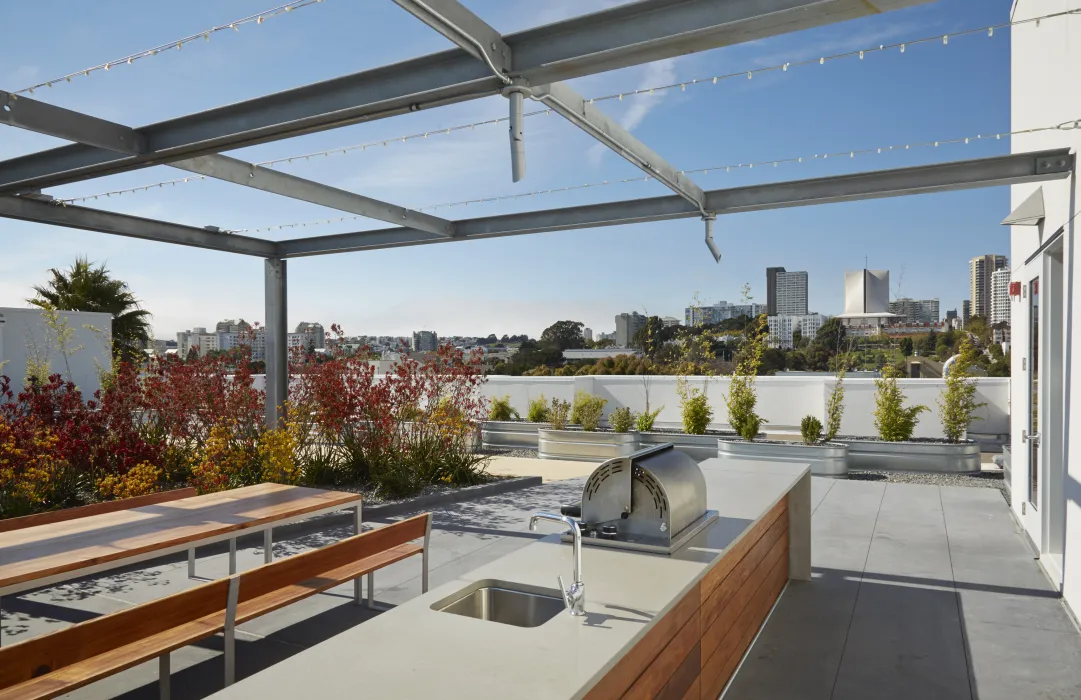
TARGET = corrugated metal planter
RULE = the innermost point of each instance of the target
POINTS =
(584, 445)
(918, 456)
(510, 433)
(829, 460)
(697, 447)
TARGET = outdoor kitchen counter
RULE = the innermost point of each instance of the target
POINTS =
(651, 609)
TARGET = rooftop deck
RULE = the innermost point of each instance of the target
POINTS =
(919, 591)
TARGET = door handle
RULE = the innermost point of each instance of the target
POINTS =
(1033, 438)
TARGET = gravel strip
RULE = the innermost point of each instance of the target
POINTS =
(507, 452)
(991, 480)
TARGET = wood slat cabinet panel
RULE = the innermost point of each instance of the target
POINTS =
(694, 649)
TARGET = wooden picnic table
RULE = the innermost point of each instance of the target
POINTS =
(43, 555)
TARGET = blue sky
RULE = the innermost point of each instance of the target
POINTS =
(521, 284)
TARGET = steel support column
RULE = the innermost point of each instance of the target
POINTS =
(277, 351)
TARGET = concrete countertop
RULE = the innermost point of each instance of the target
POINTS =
(414, 651)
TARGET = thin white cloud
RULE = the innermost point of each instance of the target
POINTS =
(654, 75)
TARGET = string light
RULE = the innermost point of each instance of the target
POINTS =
(1076, 124)
(177, 44)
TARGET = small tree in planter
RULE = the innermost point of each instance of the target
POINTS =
(810, 428)
(501, 410)
(957, 404)
(557, 414)
(538, 410)
(621, 419)
(894, 422)
(587, 410)
(694, 405)
(835, 407)
(742, 397)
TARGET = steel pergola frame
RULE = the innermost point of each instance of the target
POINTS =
(529, 64)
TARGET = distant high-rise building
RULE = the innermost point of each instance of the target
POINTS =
(186, 341)
(316, 335)
(782, 328)
(627, 325)
(771, 289)
(231, 326)
(786, 292)
(915, 310)
(980, 270)
(1000, 296)
(668, 321)
(867, 299)
(721, 311)
(966, 312)
(587, 334)
(425, 341)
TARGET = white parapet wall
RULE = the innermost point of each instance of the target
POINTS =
(25, 334)
(783, 401)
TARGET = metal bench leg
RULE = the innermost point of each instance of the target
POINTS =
(191, 562)
(230, 631)
(424, 556)
(357, 528)
(371, 589)
(268, 545)
(163, 676)
(232, 556)
(356, 590)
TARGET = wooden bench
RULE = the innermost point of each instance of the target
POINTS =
(59, 516)
(62, 661)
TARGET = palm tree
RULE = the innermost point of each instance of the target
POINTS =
(88, 287)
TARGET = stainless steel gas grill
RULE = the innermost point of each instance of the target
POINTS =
(653, 500)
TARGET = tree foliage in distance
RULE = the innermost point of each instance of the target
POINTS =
(830, 336)
(894, 422)
(89, 287)
(957, 405)
(906, 347)
(650, 337)
(564, 335)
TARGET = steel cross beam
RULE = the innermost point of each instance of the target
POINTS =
(944, 177)
(27, 209)
(67, 124)
(468, 31)
(629, 34)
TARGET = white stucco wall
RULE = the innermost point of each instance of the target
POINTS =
(1046, 90)
(23, 329)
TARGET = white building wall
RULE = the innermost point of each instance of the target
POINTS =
(1046, 90)
(23, 329)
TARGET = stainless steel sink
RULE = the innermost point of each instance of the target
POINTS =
(509, 603)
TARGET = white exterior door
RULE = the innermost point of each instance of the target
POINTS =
(1030, 436)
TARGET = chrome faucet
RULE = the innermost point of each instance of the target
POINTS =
(575, 596)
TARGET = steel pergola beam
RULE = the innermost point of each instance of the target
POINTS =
(466, 29)
(26, 209)
(246, 174)
(577, 110)
(75, 126)
(626, 35)
(945, 177)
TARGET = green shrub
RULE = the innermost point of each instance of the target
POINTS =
(644, 422)
(557, 414)
(621, 419)
(957, 404)
(811, 430)
(538, 410)
(835, 407)
(501, 409)
(694, 407)
(587, 410)
(894, 422)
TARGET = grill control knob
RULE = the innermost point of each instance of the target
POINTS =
(608, 532)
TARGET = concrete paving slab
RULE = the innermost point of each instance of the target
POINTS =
(1022, 662)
